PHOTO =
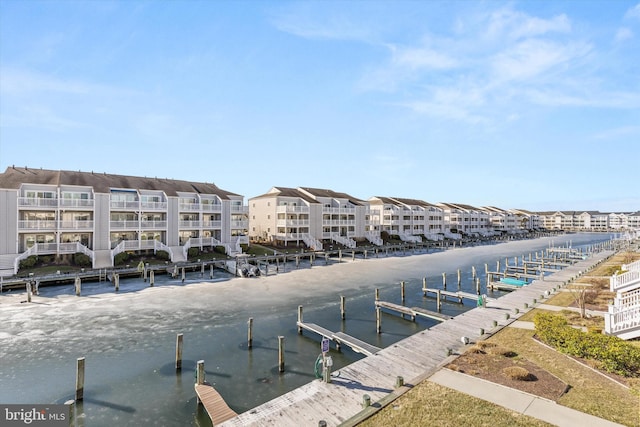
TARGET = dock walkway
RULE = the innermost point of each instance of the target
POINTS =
(340, 338)
(414, 359)
(216, 407)
(413, 311)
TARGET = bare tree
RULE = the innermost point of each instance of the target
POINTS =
(582, 294)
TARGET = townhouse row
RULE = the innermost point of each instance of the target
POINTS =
(101, 215)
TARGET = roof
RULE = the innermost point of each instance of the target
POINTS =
(318, 192)
(14, 178)
(286, 192)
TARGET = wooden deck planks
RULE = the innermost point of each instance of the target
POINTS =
(411, 357)
(215, 405)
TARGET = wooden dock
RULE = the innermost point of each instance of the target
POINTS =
(415, 358)
(459, 295)
(214, 404)
(413, 311)
(340, 338)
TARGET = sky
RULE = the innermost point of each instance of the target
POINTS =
(526, 104)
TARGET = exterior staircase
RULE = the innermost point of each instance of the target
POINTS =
(623, 318)
(343, 240)
(312, 242)
(374, 238)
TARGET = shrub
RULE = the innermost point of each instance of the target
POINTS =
(611, 353)
(163, 255)
(518, 373)
(220, 250)
(81, 260)
(121, 258)
(193, 252)
(476, 349)
(29, 262)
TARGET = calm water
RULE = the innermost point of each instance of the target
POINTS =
(128, 339)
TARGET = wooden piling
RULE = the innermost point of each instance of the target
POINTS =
(377, 294)
(144, 274)
(299, 319)
(424, 286)
(116, 281)
(478, 285)
(438, 304)
(200, 373)
(78, 284)
(342, 307)
(152, 278)
(250, 333)
(179, 339)
(402, 290)
(459, 279)
(182, 274)
(80, 378)
(280, 353)
(378, 320)
(211, 271)
(444, 281)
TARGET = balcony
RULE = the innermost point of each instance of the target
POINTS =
(337, 222)
(153, 225)
(240, 224)
(190, 224)
(37, 225)
(190, 207)
(345, 211)
(211, 207)
(211, 224)
(153, 206)
(124, 225)
(239, 209)
(77, 225)
(124, 205)
(292, 209)
(77, 203)
(34, 202)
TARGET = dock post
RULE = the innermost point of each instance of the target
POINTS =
(473, 273)
(438, 304)
(399, 381)
(78, 285)
(211, 271)
(353, 255)
(182, 274)
(80, 378)
(179, 352)
(299, 319)
(377, 294)
(498, 265)
(378, 320)
(402, 290)
(250, 333)
(444, 281)
(280, 353)
(424, 286)
(116, 281)
(297, 261)
(478, 285)
(342, 307)
(28, 291)
(366, 401)
(199, 373)
(459, 279)
(152, 278)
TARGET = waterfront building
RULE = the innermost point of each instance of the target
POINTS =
(526, 220)
(49, 212)
(308, 215)
(461, 220)
(409, 219)
(502, 220)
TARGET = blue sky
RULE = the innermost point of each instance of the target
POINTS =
(532, 105)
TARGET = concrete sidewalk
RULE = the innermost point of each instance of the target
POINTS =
(518, 401)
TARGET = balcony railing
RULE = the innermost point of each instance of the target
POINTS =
(211, 207)
(77, 203)
(155, 225)
(37, 224)
(190, 224)
(37, 202)
(153, 206)
(292, 223)
(292, 209)
(625, 281)
(345, 211)
(211, 224)
(124, 225)
(190, 206)
(125, 205)
(239, 209)
(239, 224)
(77, 224)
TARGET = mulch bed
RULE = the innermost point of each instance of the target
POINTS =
(489, 362)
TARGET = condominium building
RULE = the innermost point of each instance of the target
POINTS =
(99, 214)
(308, 215)
(461, 219)
(526, 220)
(407, 218)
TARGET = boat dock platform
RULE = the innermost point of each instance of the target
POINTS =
(413, 311)
(340, 338)
(362, 387)
(214, 404)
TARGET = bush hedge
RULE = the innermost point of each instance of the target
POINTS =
(29, 262)
(81, 260)
(163, 255)
(121, 258)
(611, 353)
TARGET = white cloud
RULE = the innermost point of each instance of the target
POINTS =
(623, 34)
(517, 25)
(634, 12)
(421, 58)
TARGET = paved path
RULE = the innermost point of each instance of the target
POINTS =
(518, 401)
